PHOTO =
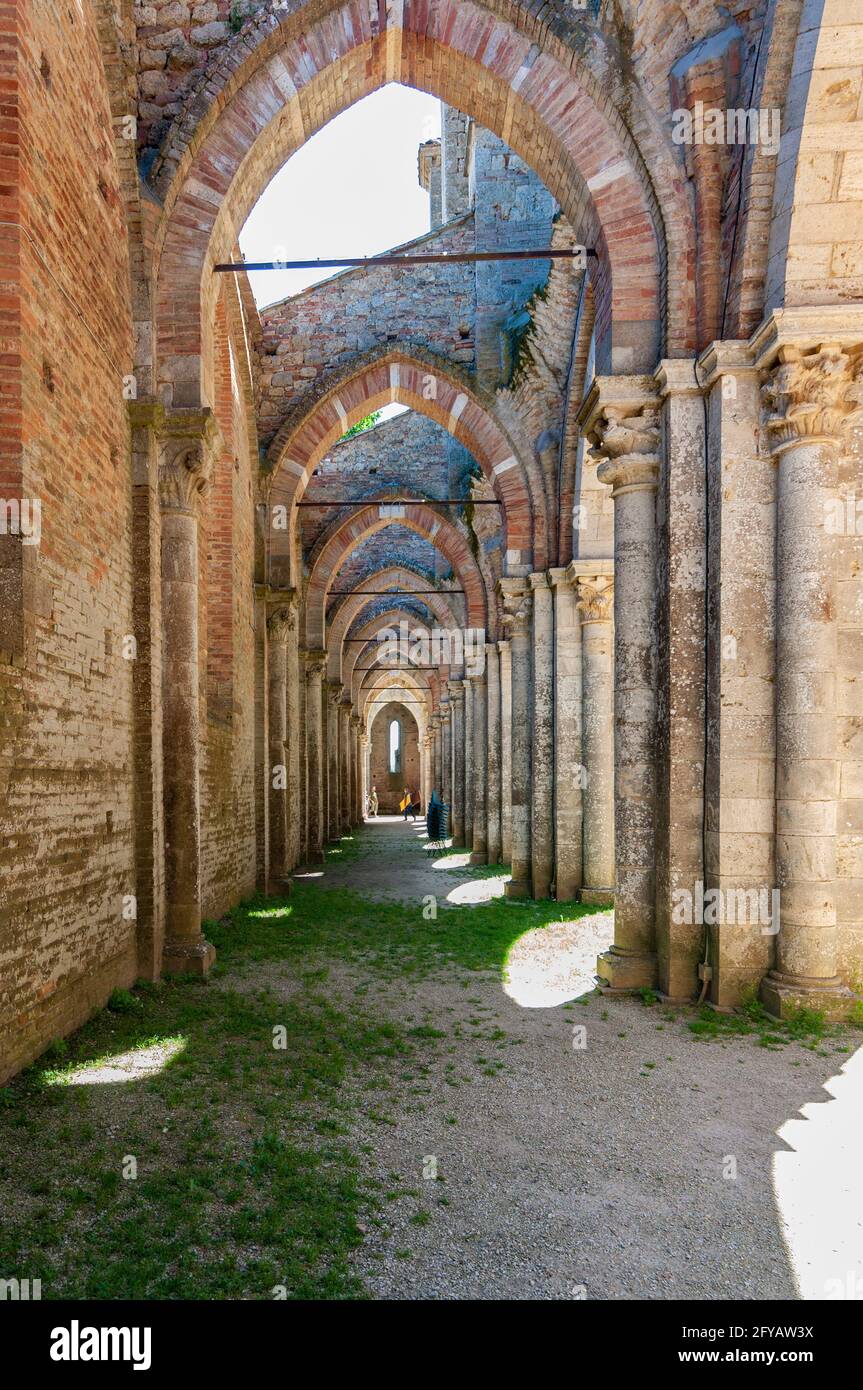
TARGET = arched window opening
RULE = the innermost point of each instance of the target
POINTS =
(395, 746)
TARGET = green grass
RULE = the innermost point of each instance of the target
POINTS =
(245, 1180)
(392, 938)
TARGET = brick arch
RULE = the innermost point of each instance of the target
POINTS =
(348, 612)
(279, 82)
(344, 537)
(390, 619)
(430, 387)
(380, 685)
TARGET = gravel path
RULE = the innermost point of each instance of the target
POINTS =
(602, 1171)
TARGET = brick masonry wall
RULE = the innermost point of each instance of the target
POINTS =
(66, 781)
(314, 335)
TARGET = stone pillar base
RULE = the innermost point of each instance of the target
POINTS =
(602, 896)
(315, 856)
(280, 887)
(783, 997)
(625, 973)
(479, 856)
(516, 888)
(188, 958)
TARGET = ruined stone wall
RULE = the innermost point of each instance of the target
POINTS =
(66, 783)
(315, 335)
(512, 211)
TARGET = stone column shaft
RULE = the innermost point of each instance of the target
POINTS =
(334, 690)
(315, 754)
(596, 598)
(505, 751)
(277, 770)
(493, 757)
(629, 439)
(518, 605)
(457, 698)
(479, 853)
(345, 766)
(468, 765)
(184, 476)
(568, 754)
(542, 731)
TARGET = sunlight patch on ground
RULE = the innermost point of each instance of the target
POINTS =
(267, 912)
(550, 965)
(818, 1189)
(136, 1065)
(479, 890)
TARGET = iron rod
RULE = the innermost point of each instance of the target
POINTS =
(408, 502)
(543, 253)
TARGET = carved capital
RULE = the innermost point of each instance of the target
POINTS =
(315, 664)
(620, 431)
(355, 721)
(280, 622)
(335, 692)
(188, 441)
(813, 395)
(516, 611)
(595, 600)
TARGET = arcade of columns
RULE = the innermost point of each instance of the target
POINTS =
(524, 753)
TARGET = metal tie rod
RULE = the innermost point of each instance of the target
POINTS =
(409, 502)
(395, 593)
(543, 253)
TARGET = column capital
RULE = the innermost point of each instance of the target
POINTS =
(539, 580)
(813, 396)
(560, 578)
(595, 598)
(188, 443)
(281, 621)
(517, 599)
(316, 662)
(621, 396)
(726, 357)
(620, 419)
(456, 689)
(335, 691)
(678, 376)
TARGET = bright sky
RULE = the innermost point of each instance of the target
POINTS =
(352, 190)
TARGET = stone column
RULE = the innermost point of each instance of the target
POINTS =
(568, 754)
(479, 853)
(595, 604)
(809, 395)
(681, 673)
(293, 727)
(542, 731)
(493, 758)
(456, 689)
(356, 772)
(185, 472)
(345, 767)
(505, 752)
(335, 691)
(366, 766)
(446, 755)
(277, 771)
(437, 775)
(427, 769)
(741, 663)
(627, 429)
(468, 764)
(517, 602)
(303, 742)
(315, 662)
